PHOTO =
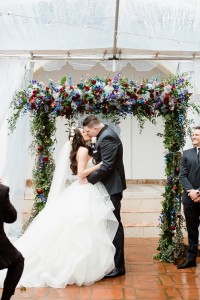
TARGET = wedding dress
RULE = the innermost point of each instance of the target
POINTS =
(70, 240)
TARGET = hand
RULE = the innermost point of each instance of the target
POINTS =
(99, 164)
(197, 199)
(192, 194)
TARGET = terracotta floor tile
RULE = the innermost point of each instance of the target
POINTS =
(171, 268)
(173, 293)
(146, 281)
(160, 267)
(190, 294)
(148, 268)
(146, 278)
(85, 293)
(111, 293)
(155, 294)
(129, 293)
(186, 278)
(15, 297)
(112, 281)
(166, 280)
(126, 280)
(196, 270)
(42, 292)
(69, 292)
(137, 258)
(25, 294)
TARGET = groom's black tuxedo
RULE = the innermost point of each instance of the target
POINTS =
(190, 179)
(109, 150)
(10, 257)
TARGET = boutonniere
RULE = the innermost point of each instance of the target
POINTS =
(93, 141)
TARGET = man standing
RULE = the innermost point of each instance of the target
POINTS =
(109, 150)
(190, 180)
(10, 257)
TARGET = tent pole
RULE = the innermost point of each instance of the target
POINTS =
(116, 29)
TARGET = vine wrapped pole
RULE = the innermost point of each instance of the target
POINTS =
(171, 220)
(43, 130)
(177, 127)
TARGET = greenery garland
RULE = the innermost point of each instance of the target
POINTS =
(114, 99)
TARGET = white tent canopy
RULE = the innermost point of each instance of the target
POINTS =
(99, 30)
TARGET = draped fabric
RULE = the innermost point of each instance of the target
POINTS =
(13, 150)
(11, 77)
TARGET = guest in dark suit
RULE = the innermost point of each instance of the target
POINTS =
(10, 257)
(109, 150)
(190, 180)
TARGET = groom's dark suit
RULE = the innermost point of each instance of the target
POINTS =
(190, 179)
(10, 257)
(109, 150)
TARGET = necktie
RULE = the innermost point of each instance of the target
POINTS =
(198, 155)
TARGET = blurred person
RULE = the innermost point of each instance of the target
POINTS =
(10, 258)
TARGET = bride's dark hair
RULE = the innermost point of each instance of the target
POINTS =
(77, 141)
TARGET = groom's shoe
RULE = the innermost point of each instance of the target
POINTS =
(116, 272)
(187, 264)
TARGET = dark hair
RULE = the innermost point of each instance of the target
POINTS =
(197, 127)
(77, 142)
(91, 121)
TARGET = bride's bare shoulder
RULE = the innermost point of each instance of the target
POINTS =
(82, 152)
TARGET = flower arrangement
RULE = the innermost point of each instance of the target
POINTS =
(112, 98)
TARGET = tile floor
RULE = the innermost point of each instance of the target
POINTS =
(145, 279)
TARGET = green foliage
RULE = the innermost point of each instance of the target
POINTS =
(63, 80)
(43, 129)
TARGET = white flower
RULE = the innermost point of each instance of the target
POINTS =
(29, 92)
(108, 89)
(146, 96)
(93, 140)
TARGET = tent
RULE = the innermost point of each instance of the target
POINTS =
(140, 29)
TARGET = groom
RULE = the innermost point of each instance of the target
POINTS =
(109, 150)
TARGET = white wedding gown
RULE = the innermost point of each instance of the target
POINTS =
(70, 240)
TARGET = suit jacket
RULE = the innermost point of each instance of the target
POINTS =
(8, 214)
(189, 173)
(111, 173)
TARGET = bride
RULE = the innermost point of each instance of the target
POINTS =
(70, 240)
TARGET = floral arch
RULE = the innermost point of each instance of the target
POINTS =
(112, 98)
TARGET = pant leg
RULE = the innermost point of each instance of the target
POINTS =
(119, 237)
(192, 214)
(13, 276)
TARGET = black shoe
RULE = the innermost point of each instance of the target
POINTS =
(187, 264)
(116, 272)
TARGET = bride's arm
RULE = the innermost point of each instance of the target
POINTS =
(82, 159)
